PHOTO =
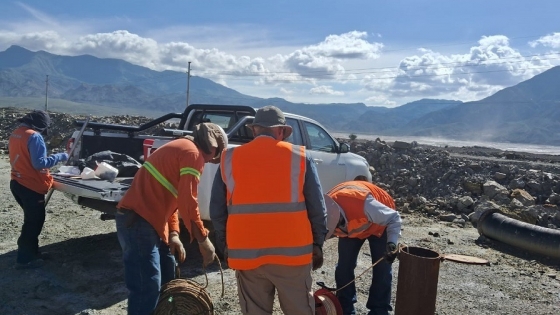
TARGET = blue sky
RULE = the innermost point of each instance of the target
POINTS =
(381, 53)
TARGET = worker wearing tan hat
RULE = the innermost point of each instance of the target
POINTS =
(267, 193)
(358, 211)
(147, 220)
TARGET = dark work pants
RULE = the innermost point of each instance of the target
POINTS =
(33, 204)
(379, 297)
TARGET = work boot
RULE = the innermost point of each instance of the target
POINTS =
(31, 265)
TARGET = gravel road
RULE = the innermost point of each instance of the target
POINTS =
(85, 274)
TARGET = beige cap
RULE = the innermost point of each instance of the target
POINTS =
(208, 136)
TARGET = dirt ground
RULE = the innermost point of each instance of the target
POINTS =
(85, 273)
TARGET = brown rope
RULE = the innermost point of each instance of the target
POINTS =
(184, 296)
(373, 265)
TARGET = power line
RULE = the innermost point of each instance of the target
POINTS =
(459, 64)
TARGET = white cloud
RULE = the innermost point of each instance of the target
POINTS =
(286, 91)
(552, 40)
(485, 69)
(325, 59)
(348, 61)
(325, 90)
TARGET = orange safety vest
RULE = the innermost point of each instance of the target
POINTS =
(23, 172)
(267, 217)
(350, 196)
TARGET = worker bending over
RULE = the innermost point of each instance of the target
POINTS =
(361, 211)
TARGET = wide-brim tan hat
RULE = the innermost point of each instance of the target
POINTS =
(209, 136)
(333, 215)
(270, 117)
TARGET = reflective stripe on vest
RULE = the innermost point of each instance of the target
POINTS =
(256, 253)
(253, 215)
(351, 197)
(164, 182)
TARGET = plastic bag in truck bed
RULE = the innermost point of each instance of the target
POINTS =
(126, 165)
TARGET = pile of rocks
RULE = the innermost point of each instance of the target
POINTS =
(457, 188)
(63, 125)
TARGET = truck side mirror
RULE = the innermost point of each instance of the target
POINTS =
(344, 148)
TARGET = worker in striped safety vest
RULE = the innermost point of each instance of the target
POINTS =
(269, 216)
(147, 219)
(358, 211)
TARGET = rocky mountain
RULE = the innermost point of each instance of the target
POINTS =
(526, 113)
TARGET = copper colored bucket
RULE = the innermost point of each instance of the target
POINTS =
(417, 281)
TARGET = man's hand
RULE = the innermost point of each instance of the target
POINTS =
(207, 250)
(317, 257)
(176, 247)
(391, 253)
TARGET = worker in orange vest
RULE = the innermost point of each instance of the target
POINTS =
(360, 211)
(147, 220)
(30, 181)
(269, 216)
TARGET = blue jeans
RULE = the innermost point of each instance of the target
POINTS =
(148, 262)
(379, 299)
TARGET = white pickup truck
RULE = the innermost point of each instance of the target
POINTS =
(333, 160)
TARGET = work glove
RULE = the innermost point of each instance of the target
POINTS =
(208, 251)
(176, 247)
(391, 253)
(317, 257)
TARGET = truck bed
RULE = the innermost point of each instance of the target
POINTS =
(97, 194)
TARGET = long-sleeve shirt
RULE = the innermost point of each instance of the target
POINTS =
(378, 213)
(168, 181)
(38, 153)
(314, 202)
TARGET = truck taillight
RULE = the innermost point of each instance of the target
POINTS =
(69, 145)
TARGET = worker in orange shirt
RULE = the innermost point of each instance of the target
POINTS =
(30, 181)
(358, 211)
(147, 220)
(269, 215)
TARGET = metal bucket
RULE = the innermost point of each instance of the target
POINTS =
(417, 281)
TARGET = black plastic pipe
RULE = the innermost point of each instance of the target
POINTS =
(530, 237)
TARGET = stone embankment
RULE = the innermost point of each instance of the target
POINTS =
(458, 184)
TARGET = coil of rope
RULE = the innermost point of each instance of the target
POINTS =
(184, 296)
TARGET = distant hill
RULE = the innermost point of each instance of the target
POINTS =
(391, 120)
(528, 112)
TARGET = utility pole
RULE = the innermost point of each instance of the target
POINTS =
(188, 82)
(47, 94)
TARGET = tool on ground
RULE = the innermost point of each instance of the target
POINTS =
(78, 138)
(326, 302)
(184, 296)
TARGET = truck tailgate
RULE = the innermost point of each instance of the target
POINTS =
(93, 188)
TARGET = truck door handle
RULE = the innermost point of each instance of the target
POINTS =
(318, 161)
